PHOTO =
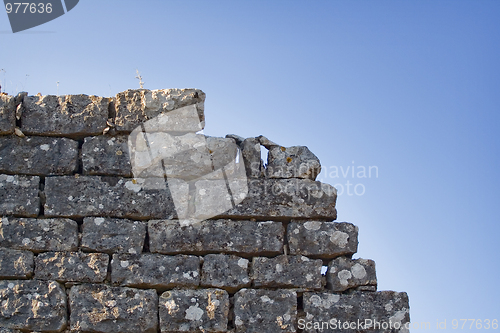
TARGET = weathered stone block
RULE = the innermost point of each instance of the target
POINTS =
(7, 114)
(227, 272)
(71, 266)
(219, 236)
(106, 155)
(287, 272)
(344, 273)
(150, 270)
(39, 235)
(111, 235)
(32, 305)
(19, 195)
(292, 162)
(203, 310)
(15, 264)
(385, 311)
(322, 239)
(100, 308)
(8, 330)
(71, 115)
(261, 310)
(108, 196)
(250, 150)
(38, 155)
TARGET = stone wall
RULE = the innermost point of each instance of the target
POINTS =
(104, 229)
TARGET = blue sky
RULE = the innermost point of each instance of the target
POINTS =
(411, 88)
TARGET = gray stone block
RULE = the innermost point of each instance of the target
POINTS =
(32, 305)
(70, 116)
(15, 264)
(216, 236)
(71, 266)
(287, 272)
(292, 162)
(7, 114)
(228, 272)
(139, 199)
(19, 195)
(322, 239)
(100, 308)
(150, 270)
(39, 235)
(344, 273)
(38, 155)
(262, 310)
(202, 310)
(250, 150)
(106, 155)
(111, 235)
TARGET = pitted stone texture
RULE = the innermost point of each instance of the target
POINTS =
(39, 235)
(202, 310)
(227, 272)
(151, 270)
(250, 150)
(15, 264)
(111, 235)
(261, 310)
(100, 308)
(344, 273)
(133, 107)
(7, 114)
(108, 196)
(71, 266)
(32, 305)
(8, 330)
(19, 195)
(292, 162)
(106, 155)
(383, 307)
(71, 115)
(216, 236)
(38, 155)
(322, 239)
(287, 272)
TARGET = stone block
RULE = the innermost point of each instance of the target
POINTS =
(202, 310)
(19, 195)
(106, 155)
(228, 272)
(39, 235)
(344, 273)
(287, 272)
(250, 150)
(261, 310)
(244, 238)
(292, 162)
(38, 155)
(112, 235)
(100, 308)
(7, 114)
(71, 266)
(139, 199)
(32, 305)
(151, 270)
(69, 116)
(15, 264)
(322, 239)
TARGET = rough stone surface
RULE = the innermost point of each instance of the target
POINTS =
(261, 310)
(39, 235)
(292, 162)
(15, 264)
(71, 266)
(19, 195)
(383, 307)
(38, 155)
(227, 272)
(111, 235)
(344, 273)
(204, 310)
(31, 305)
(106, 155)
(250, 150)
(150, 270)
(322, 239)
(71, 115)
(71, 196)
(216, 236)
(100, 308)
(7, 114)
(287, 272)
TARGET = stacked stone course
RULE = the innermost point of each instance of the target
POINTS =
(86, 247)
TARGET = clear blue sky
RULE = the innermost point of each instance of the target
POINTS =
(410, 87)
